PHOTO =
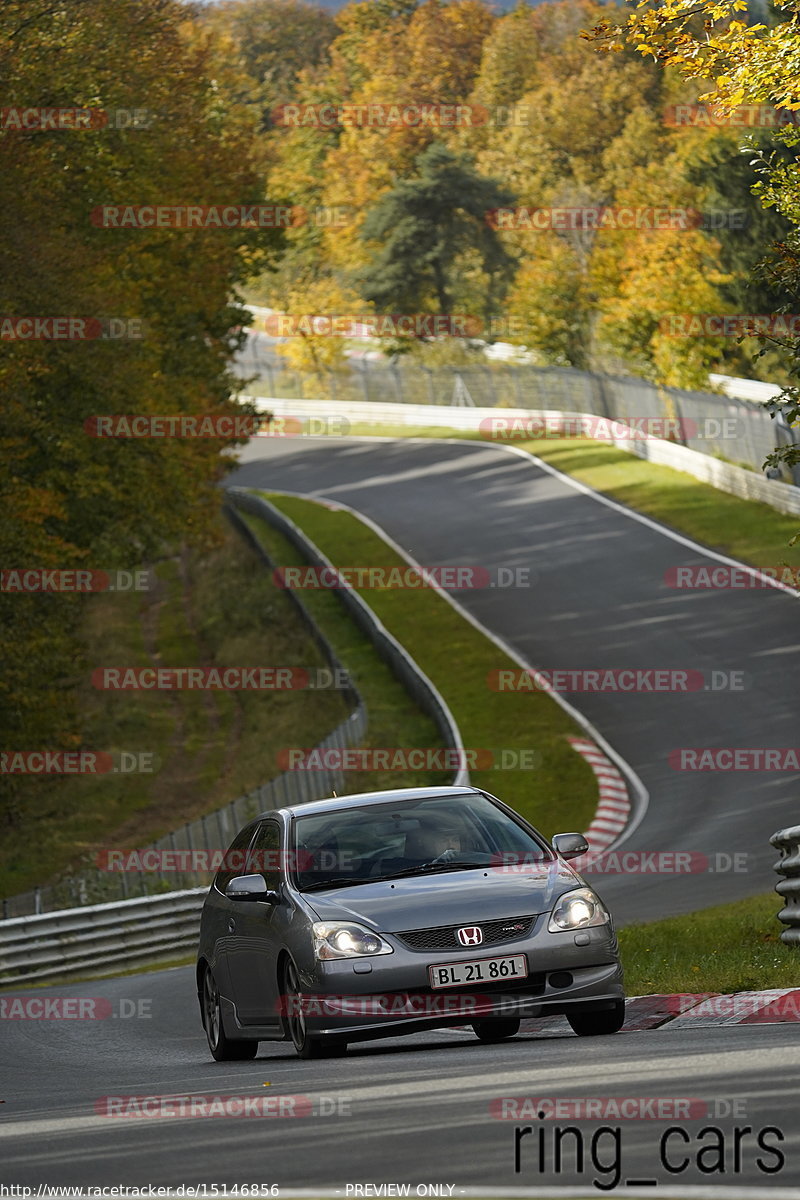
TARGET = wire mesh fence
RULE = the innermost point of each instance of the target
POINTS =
(736, 430)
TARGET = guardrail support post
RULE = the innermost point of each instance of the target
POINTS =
(787, 841)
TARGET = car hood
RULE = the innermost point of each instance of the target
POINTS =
(422, 902)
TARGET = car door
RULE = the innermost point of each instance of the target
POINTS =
(253, 949)
(219, 910)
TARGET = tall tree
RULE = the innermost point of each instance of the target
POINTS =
(743, 62)
(70, 498)
(426, 225)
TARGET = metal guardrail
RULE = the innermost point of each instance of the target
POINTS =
(787, 841)
(96, 938)
(417, 684)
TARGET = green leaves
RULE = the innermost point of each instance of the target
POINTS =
(424, 227)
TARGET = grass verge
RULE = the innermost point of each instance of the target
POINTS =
(393, 718)
(560, 792)
(211, 608)
(729, 948)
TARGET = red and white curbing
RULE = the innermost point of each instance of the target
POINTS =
(614, 808)
(684, 1010)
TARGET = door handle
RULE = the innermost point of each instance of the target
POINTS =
(231, 925)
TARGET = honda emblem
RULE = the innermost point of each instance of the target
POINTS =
(470, 935)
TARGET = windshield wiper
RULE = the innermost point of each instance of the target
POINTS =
(430, 869)
(334, 883)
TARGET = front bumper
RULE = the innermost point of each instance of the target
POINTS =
(390, 995)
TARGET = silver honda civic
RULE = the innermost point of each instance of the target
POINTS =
(392, 912)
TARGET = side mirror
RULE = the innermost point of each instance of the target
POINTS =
(570, 845)
(251, 887)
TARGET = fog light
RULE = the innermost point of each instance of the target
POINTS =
(560, 979)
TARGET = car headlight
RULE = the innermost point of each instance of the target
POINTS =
(345, 939)
(577, 910)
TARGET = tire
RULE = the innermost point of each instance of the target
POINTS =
(223, 1048)
(496, 1030)
(295, 1023)
(599, 1021)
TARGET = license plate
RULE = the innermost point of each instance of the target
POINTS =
(478, 970)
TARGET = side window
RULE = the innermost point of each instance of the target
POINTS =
(264, 857)
(235, 859)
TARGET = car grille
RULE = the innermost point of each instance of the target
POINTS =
(443, 937)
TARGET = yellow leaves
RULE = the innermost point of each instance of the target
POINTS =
(318, 297)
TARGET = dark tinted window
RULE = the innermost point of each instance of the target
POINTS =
(235, 858)
(371, 842)
(264, 856)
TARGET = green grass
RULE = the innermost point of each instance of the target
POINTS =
(393, 717)
(729, 948)
(743, 529)
(561, 793)
(216, 607)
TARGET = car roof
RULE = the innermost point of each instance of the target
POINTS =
(392, 796)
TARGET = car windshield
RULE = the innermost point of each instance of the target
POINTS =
(369, 843)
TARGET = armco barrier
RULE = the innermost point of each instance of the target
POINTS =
(97, 938)
(787, 841)
(416, 683)
(738, 481)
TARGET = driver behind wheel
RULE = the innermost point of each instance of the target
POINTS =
(434, 841)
